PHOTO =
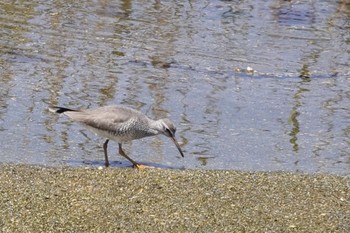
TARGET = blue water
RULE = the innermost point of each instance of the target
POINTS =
(257, 86)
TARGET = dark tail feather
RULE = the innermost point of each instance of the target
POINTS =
(60, 109)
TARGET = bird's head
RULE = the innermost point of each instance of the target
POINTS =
(169, 129)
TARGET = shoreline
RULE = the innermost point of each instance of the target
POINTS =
(43, 199)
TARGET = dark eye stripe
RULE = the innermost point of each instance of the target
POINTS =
(171, 133)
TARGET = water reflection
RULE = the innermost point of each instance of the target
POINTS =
(298, 102)
(183, 61)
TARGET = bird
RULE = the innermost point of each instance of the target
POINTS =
(121, 124)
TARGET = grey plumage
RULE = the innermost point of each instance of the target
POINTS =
(121, 124)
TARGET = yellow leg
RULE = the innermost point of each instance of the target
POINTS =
(122, 153)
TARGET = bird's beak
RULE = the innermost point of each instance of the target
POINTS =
(177, 145)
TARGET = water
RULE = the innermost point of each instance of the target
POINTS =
(257, 86)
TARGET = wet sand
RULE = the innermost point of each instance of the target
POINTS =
(44, 199)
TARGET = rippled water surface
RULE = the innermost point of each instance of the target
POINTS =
(251, 85)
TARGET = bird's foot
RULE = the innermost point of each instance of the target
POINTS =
(141, 166)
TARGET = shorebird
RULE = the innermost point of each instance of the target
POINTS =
(121, 124)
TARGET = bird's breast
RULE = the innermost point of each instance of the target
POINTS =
(122, 132)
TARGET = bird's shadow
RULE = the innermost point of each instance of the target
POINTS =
(120, 164)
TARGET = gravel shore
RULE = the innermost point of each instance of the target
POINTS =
(45, 199)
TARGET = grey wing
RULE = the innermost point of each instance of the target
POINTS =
(105, 118)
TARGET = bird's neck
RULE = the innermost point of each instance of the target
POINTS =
(155, 126)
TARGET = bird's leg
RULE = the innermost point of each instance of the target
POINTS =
(105, 150)
(121, 152)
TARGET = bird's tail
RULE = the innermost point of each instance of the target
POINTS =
(56, 109)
